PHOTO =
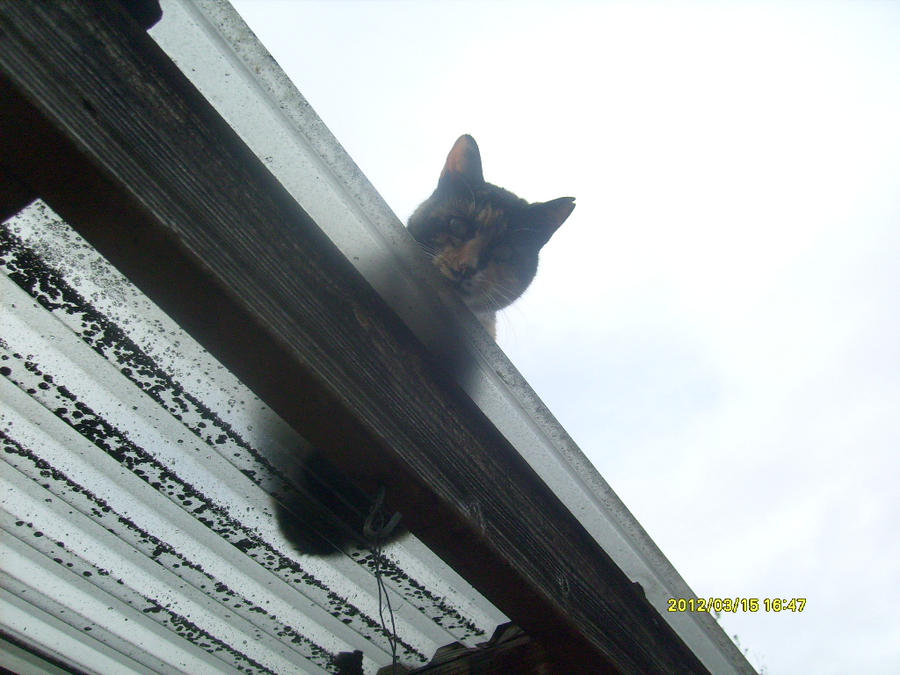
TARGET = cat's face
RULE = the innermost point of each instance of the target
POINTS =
(483, 239)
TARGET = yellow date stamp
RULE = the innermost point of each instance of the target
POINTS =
(735, 605)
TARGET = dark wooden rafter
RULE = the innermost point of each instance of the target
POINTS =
(98, 121)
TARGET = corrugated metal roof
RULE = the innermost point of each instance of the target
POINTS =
(137, 496)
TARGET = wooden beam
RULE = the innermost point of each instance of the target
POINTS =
(100, 123)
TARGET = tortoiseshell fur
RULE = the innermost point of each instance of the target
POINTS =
(484, 240)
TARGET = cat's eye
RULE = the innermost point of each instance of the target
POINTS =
(502, 253)
(458, 227)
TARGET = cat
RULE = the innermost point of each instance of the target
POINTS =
(483, 239)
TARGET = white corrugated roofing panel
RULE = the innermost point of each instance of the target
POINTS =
(136, 496)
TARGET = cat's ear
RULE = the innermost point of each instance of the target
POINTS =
(463, 163)
(546, 217)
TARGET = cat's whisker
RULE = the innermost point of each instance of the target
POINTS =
(507, 295)
(500, 299)
(491, 300)
(427, 248)
(508, 325)
(504, 289)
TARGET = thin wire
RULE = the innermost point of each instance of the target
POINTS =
(383, 592)
(376, 534)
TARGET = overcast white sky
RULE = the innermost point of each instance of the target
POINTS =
(717, 324)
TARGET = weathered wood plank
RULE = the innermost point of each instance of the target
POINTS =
(99, 122)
